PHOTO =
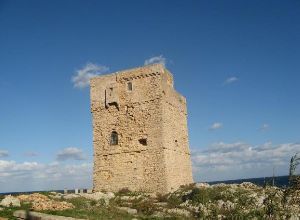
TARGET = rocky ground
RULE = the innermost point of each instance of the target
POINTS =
(197, 201)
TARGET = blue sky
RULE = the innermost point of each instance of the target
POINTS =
(237, 63)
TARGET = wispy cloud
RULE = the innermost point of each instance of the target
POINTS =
(230, 80)
(81, 78)
(216, 125)
(4, 153)
(265, 127)
(156, 59)
(239, 160)
(70, 153)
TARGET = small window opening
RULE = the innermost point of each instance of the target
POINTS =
(143, 141)
(176, 141)
(129, 86)
(114, 138)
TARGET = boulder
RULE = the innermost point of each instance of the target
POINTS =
(52, 205)
(178, 211)
(130, 198)
(128, 210)
(42, 202)
(22, 214)
(158, 214)
(99, 195)
(248, 185)
(202, 185)
(33, 197)
(9, 201)
(71, 196)
(225, 205)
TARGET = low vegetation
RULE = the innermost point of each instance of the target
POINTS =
(195, 201)
(7, 212)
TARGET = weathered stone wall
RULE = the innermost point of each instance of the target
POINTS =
(144, 158)
(175, 140)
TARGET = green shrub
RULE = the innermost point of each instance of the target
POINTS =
(187, 187)
(203, 196)
(124, 191)
(174, 201)
(271, 205)
(144, 206)
(93, 202)
(161, 197)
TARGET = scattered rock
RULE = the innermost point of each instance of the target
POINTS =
(57, 196)
(99, 195)
(42, 202)
(220, 185)
(51, 205)
(130, 198)
(161, 203)
(22, 214)
(10, 201)
(221, 217)
(244, 197)
(33, 197)
(248, 185)
(128, 210)
(178, 211)
(158, 214)
(125, 197)
(71, 196)
(260, 200)
(202, 185)
(225, 205)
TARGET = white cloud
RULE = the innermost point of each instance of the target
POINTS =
(216, 125)
(9, 166)
(70, 153)
(223, 161)
(264, 127)
(82, 77)
(28, 176)
(156, 59)
(4, 153)
(230, 80)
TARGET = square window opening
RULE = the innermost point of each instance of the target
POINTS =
(143, 141)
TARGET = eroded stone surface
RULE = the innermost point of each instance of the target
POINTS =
(128, 210)
(10, 201)
(42, 202)
(22, 214)
(151, 151)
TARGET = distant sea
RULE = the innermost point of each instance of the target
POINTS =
(30, 192)
(280, 181)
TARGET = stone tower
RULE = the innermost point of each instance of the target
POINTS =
(140, 131)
